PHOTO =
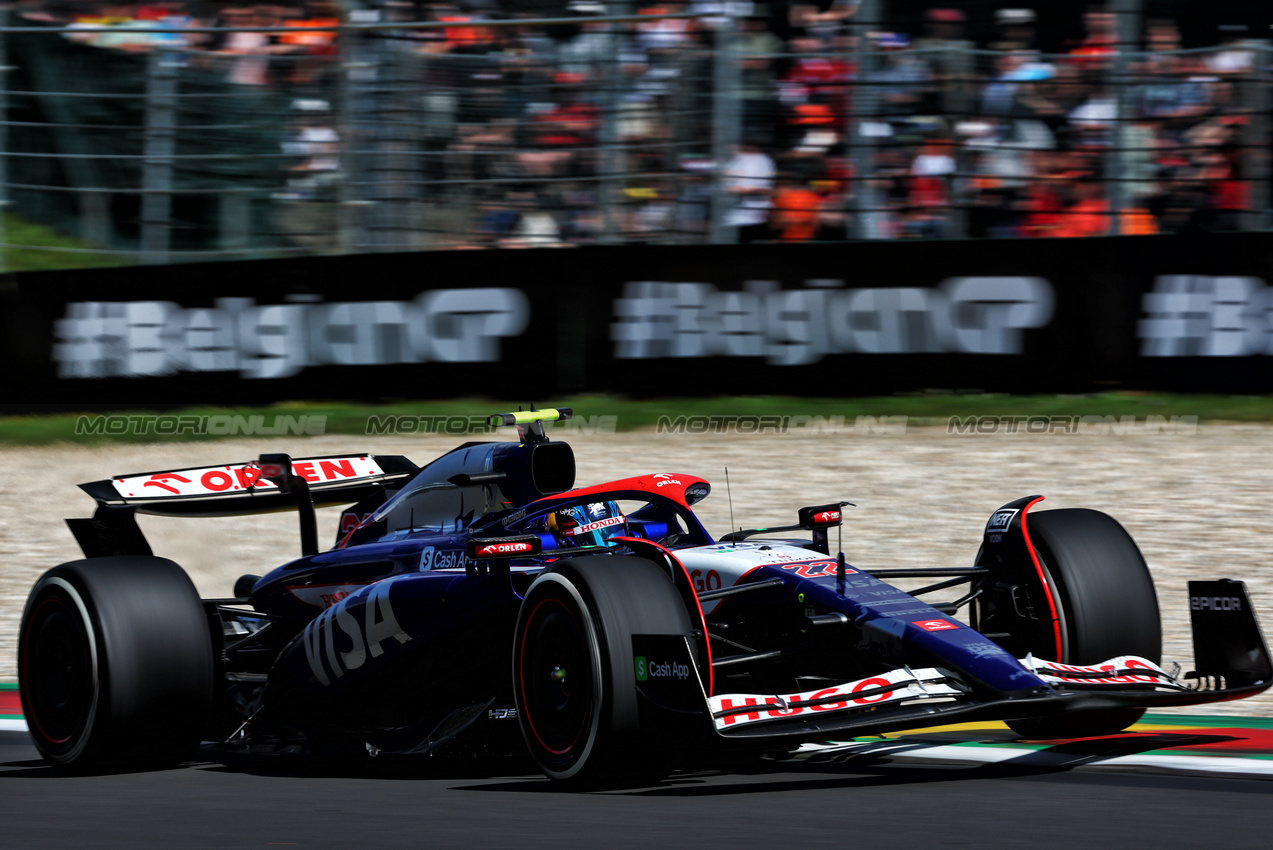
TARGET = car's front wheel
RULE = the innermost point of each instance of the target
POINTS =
(1106, 607)
(573, 670)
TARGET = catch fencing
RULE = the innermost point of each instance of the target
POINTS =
(159, 145)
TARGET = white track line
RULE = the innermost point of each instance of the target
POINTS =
(900, 751)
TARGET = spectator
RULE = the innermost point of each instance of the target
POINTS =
(317, 46)
(1101, 40)
(1234, 57)
(96, 29)
(821, 132)
(904, 78)
(253, 49)
(496, 221)
(943, 50)
(821, 19)
(1089, 214)
(535, 227)
(748, 182)
(1167, 92)
(999, 97)
(481, 106)
(931, 170)
(815, 76)
(1095, 117)
(1015, 30)
(316, 145)
(587, 51)
(758, 47)
(795, 213)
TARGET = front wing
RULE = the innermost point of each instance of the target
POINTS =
(910, 698)
(1231, 657)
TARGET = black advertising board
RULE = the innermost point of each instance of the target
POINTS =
(1163, 313)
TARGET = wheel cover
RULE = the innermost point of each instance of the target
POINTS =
(59, 671)
(555, 676)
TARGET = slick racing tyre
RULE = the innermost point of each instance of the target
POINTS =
(115, 664)
(1106, 607)
(573, 675)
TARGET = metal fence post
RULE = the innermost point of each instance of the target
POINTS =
(609, 187)
(862, 146)
(1119, 166)
(160, 144)
(957, 101)
(4, 138)
(355, 70)
(392, 177)
(1255, 100)
(726, 121)
(234, 221)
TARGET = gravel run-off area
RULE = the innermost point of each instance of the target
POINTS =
(1200, 504)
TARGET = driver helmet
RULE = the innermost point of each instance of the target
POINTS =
(587, 525)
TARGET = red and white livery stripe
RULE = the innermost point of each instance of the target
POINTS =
(236, 478)
(1123, 670)
(891, 687)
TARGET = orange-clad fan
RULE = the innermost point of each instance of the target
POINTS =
(795, 211)
(317, 42)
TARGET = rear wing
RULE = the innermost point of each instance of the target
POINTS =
(274, 482)
(240, 488)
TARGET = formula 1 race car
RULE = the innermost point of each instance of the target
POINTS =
(481, 602)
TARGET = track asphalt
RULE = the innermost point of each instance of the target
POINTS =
(1237, 746)
(1173, 781)
(853, 804)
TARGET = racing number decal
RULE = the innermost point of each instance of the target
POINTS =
(811, 569)
(378, 626)
(820, 568)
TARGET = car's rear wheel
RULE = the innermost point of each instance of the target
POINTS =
(574, 678)
(115, 664)
(1106, 607)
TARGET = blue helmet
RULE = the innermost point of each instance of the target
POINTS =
(587, 525)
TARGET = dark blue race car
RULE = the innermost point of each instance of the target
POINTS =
(481, 604)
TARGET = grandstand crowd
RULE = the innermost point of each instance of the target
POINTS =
(958, 131)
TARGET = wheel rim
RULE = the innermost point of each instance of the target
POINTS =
(58, 672)
(556, 680)
(998, 612)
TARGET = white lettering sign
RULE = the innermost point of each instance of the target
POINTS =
(976, 315)
(1202, 316)
(100, 339)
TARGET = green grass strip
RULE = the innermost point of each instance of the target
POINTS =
(1208, 721)
(37, 247)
